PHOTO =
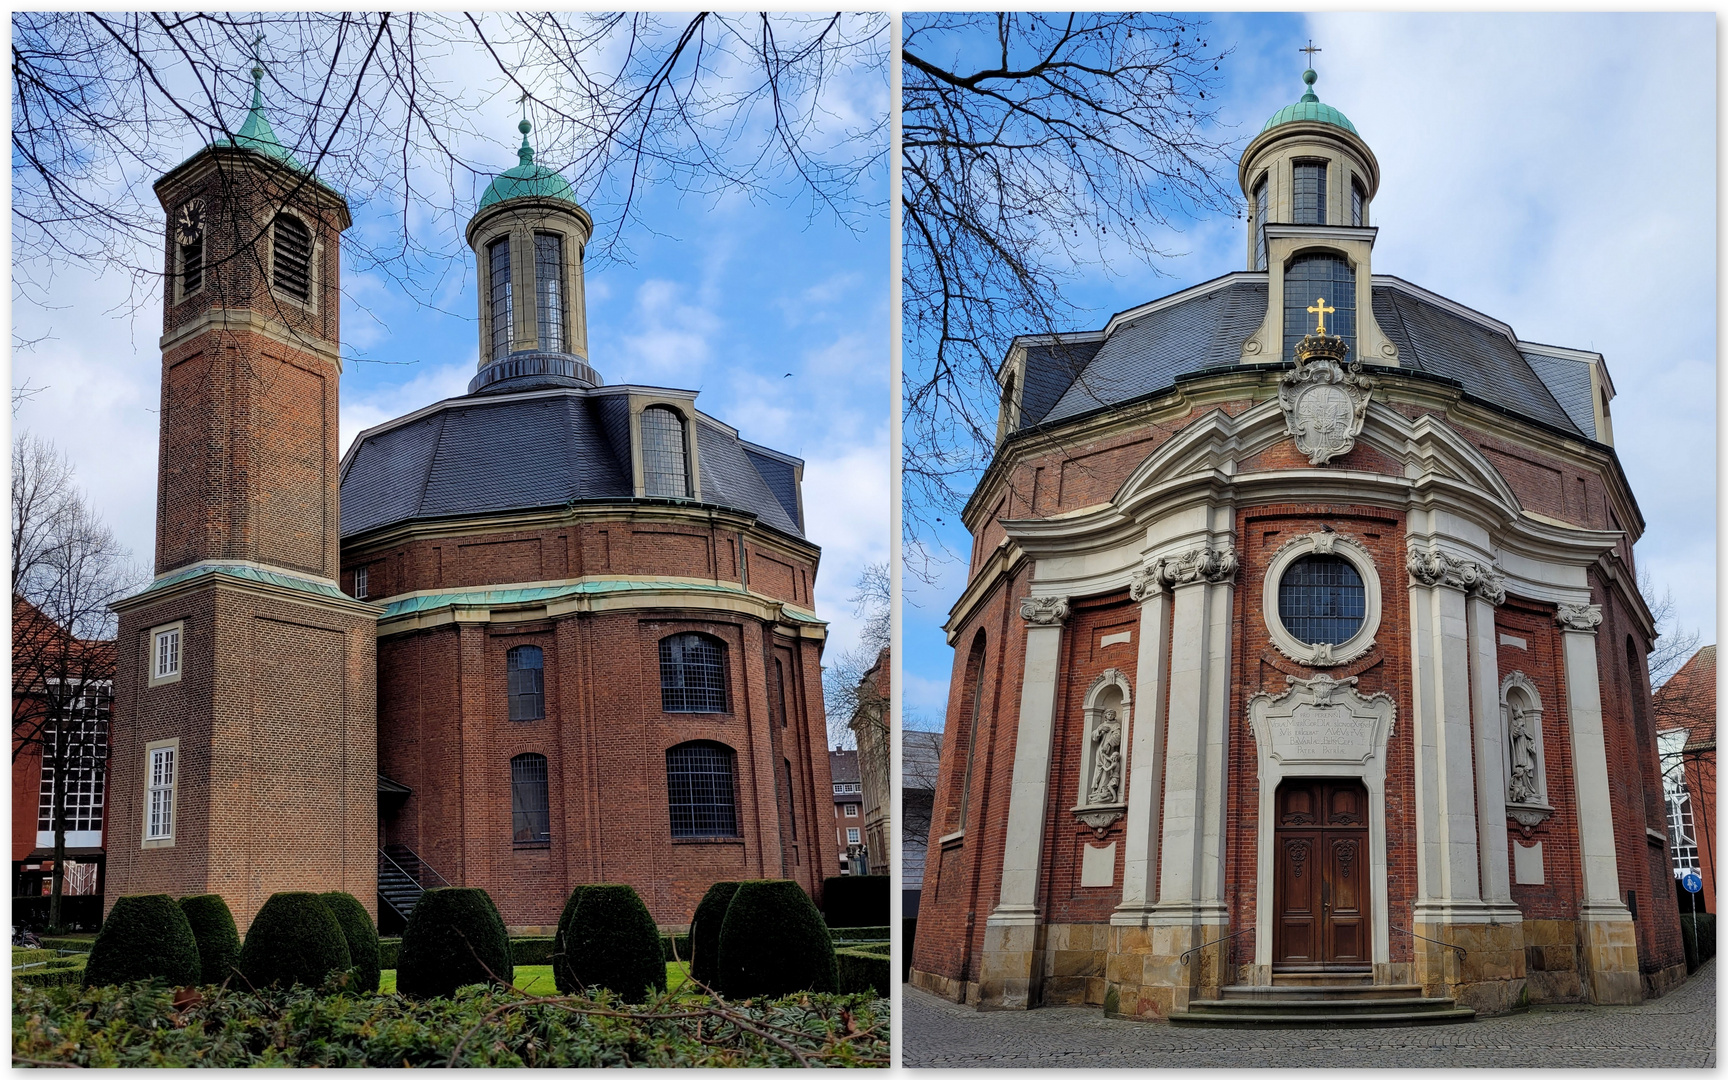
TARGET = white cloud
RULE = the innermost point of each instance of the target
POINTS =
(361, 411)
(846, 509)
(674, 343)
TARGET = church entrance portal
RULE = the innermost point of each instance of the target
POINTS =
(1321, 894)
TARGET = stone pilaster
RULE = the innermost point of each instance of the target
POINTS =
(1012, 959)
(1146, 750)
(1610, 948)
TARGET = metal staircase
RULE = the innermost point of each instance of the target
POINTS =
(403, 876)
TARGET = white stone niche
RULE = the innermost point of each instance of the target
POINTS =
(1320, 727)
(1101, 802)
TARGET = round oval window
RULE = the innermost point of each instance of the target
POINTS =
(1321, 600)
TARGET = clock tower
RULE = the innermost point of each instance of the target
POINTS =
(244, 756)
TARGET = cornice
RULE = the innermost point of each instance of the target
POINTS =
(245, 320)
(998, 568)
(247, 578)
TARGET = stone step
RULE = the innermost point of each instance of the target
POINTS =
(1321, 1007)
(1321, 992)
(1322, 978)
(1273, 1018)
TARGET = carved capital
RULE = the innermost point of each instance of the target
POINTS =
(1144, 584)
(1044, 610)
(1435, 567)
(1213, 565)
(1579, 618)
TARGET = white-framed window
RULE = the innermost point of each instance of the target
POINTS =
(851, 836)
(1682, 837)
(161, 776)
(360, 583)
(165, 650)
(79, 743)
(851, 809)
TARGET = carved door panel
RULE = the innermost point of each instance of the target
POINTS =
(1321, 862)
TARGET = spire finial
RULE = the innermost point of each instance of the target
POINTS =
(257, 72)
(525, 152)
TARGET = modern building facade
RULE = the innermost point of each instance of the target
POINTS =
(551, 632)
(1685, 708)
(1301, 642)
(854, 856)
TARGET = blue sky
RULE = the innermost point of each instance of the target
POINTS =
(728, 296)
(1557, 172)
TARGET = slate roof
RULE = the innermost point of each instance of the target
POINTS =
(1205, 328)
(493, 453)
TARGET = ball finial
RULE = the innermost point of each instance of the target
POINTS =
(524, 127)
(1309, 76)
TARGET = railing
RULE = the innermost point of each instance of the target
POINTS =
(420, 869)
(1462, 952)
(1183, 959)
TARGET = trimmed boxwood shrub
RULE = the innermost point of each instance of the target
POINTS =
(525, 951)
(675, 948)
(863, 971)
(606, 937)
(294, 938)
(362, 939)
(454, 938)
(703, 954)
(213, 928)
(389, 951)
(855, 901)
(69, 944)
(773, 942)
(144, 937)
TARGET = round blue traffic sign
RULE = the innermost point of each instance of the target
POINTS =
(1693, 883)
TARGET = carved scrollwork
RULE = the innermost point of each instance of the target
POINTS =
(1346, 852)
(1214, 565)
(1297, 850)
(1144, 583)
(1435, 567)
(1579, 618)
(1044, 610)
(1324, 405)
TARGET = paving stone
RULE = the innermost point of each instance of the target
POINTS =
(1676, 1031)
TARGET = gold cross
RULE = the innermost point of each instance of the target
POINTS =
(1322, 310)
(1310, 50)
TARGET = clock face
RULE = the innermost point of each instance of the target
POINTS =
(189, 224)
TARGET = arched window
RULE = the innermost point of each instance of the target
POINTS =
(1310, 193)
(292, 248)
(975, 666)
(527, 687)
(1317, 276)
(665, 466)
(503, 303)
(699, 790)
(692, 674)
(530, 807)
(549, 290)
(1261, 205)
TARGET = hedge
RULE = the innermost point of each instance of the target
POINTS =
(527, 951)
(856, 901)
(859, 933)
(71, 974)
(863, 972)
(675, 948)
(218, 941)
(294, 938)
(144, 937)
(302, 1027)
(454, 938)
(607, 938)
(69, 944)
(362, 939)
(773, 942)
(704, 952)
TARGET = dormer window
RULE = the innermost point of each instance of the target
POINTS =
(1260, 206)
(503, 303)
(665, 465)
(549, 290)
(291, 248)
(1310, 193)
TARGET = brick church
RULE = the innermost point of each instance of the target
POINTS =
(1301, 651)
(550, 632)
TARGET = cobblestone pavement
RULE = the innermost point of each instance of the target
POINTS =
(1676, 1031)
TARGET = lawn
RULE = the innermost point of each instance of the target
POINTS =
(536, 979)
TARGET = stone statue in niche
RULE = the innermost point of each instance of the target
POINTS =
(1523, 787)
(1106, 761)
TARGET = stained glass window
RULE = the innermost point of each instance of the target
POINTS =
(699, 790)
(1321, 600)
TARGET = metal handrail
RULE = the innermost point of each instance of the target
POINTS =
(1462, 951)
(1183, 959)
(411, 875)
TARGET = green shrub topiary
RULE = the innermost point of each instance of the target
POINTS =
(703, 953)
(362, 939)
(855, 901)
(773, 942)
(526, 951)
(294, 938)
(218, 942)
(863, 971)
(606, 937)
(144, 937)
(676, 947)
(454, 938)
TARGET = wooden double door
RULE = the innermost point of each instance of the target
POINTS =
(1321, 893)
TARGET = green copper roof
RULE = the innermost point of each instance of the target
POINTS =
(1310, 108)
(257, 134)
(540, 594)
(527, 178)
(251, 573)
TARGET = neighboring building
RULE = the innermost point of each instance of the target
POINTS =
(849, 811)
(70, 726)
(1686, 732)
(870, 726)
(1292, 648)
(920, 761)
(560, 632)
